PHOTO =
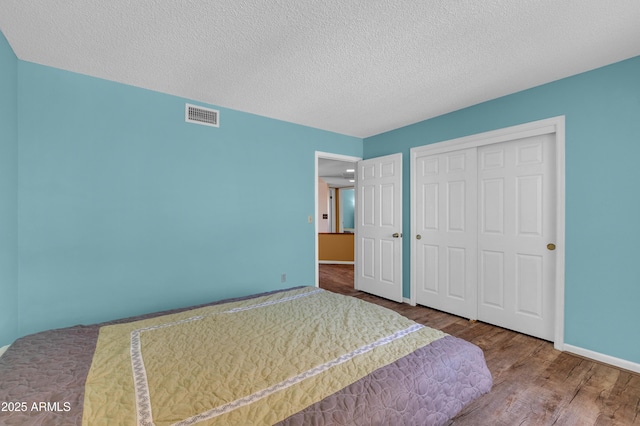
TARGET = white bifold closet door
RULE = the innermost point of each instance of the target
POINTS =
(485, 228)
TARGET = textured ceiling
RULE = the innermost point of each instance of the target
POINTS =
(337, 173)
(354, 67)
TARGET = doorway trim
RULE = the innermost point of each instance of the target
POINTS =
(327, 156)
(555, 125)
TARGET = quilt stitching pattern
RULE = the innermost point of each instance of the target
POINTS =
(142, 395)
(297, 379)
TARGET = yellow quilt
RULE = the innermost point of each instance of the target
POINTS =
(255, 361)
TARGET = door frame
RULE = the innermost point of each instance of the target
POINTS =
(555, 125)
(327, 156)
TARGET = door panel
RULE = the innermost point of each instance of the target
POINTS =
(492, 207)
(517, 222)
(430, 199)
(456, 279)
(456, 194)
(529, 205)
(491, 265)
(447, 226)
(387, 269)
(367, 255)
(387, 208)
(378, 219)
(431, 264)
(529, 285)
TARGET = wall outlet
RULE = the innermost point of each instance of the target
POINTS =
(283, 278)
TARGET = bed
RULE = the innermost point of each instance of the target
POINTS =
(301, 356)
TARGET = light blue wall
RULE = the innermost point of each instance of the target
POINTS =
(8, 193)
(348, 207)
(124, 208)
(602, 109)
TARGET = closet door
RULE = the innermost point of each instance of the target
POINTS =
(484, 229)
(445, 245)
(516, 221)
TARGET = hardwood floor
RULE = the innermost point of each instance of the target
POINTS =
(533, 384)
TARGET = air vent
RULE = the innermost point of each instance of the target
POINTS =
(200, 115)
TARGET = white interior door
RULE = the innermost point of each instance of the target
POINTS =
(516, 182)
(379, 227)
(446, 234)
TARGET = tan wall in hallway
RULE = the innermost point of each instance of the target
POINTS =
(336, 247)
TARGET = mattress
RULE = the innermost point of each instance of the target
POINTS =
(301, 356)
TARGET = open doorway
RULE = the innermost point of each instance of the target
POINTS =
(335, 214)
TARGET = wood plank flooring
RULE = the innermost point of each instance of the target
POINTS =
(534, 384)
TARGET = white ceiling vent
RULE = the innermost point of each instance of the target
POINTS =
(201, 115)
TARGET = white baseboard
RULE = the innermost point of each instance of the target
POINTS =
(336, 262)
(407, 301)
(4, 349)
(607, 359)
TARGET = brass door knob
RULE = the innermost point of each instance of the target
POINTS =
(551, 246)
(396, 235)
(418, 237)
